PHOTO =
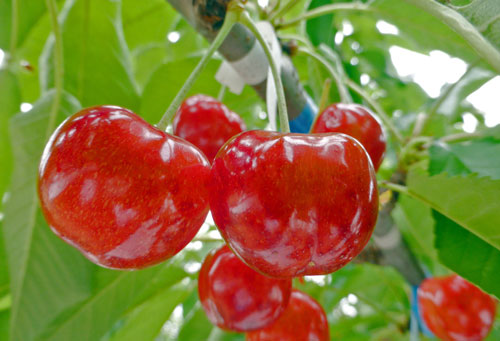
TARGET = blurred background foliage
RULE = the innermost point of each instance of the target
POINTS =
(137, 54)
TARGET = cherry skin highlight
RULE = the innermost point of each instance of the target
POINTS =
(291, 205)
(303, 319)
(356, 121)
(454, 309)
(206, 123)
(124, 193)
(237, 298)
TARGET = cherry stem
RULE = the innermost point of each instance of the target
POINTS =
(282, 110)
(222, 93)
(395, 187)
(323, 103)
(58, 66)
(283, 10)
(324, 10)
(345, 97)
(15, 27)
(378, 109)
(233, 12)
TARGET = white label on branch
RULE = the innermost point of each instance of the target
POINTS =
(251, 69)
(267, 31)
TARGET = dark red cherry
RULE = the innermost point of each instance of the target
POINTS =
(303, 319)
(238, 298)
(356, 121)
(454, 309)
(206, 123)
(126, 194)
(291, 204)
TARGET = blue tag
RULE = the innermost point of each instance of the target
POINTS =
(415, 312)
(303, 123)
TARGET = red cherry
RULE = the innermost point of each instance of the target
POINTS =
(291, 204)
(303, 319)
(238, 298)
(206, 123)
(454, 309)
(356, 121)
(126, 194)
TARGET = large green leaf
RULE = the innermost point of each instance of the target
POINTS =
(484, 14)
(467, 85)
(10, 101)
(46, 275)
(168, 79)
(423, 30)
(414, 219)
(146, 22)
(468, 255)
(28, 13)
(146, 321)
(465, 158)
(459, 249)
(381, 297)
(97, 67)
(470, 201)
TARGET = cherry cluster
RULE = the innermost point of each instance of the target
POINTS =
(129, 196)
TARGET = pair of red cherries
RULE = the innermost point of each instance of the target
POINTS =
(128, 195)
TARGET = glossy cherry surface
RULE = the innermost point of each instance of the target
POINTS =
(454, 309)
(356, 121)
(303, 319)
(126, 194)
(235, 297)
(292, 204)
(206, 123)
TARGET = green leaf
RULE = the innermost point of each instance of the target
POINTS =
(10, 101)
(4, 267)
(467, 85)
(485, 15)
(145, 321)
(464, 158)
(38, 261)
(414, 219)
(168, 79)
(423, 30)
(145, 22)
(97, 66)
(196, 326)
(113, 294)
(29, 12)
(468, 255)
(470, 201)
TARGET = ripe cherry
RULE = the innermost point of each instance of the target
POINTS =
(126, 194)
(356, 121)
(303, 319)
(454, 309)
(206, 123)
(291, 204)
(238, 298)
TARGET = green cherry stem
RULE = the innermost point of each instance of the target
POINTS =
(58, 66)
(323, 103)
(15, 27)
(345, 97)
(324, 10)
(233, 12)
(283, 10)
(378, 109)
(282, 110)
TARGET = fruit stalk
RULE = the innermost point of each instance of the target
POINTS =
(282, 109)
(229, 21)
